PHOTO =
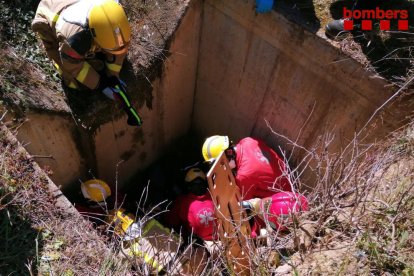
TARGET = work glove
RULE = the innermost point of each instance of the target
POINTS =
(252, 204)
(115, 89)
(263, 6)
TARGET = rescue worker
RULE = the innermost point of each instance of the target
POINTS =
(87, 41)
(194, 210)
(144, 239)
(258, 169)
(98, 200)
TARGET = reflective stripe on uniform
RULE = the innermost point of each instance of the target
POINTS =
(41, 36)
(114, 67)
(51, 16)
(83, 72)
(147, 258)
(58, 68)
(73, 85)
(124, 97)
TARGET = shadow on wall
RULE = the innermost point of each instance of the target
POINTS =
(164, 179)
(140, 83)
(388, 52)
(301, 12)
(18, 246)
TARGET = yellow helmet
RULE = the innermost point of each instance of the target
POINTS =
(109, 26)
(214, 145)
(96, 190)
(193, 174)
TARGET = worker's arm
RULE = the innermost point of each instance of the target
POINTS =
(115, 89)
(75, 64)
(113, 63)
(246, 186)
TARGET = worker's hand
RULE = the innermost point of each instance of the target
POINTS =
(115, 89)
(255, 204)
(109, 92)
(263, 6)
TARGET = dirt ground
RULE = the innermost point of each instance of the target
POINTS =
(388, 53)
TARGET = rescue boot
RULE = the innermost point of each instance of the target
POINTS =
(335, 28)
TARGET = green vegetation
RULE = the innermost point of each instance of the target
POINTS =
(15, 32)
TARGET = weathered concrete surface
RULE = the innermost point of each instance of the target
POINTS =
(60, 200)
(258, 68)
(170, 117)
(52, 140)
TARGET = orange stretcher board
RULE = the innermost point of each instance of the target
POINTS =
(233, 226)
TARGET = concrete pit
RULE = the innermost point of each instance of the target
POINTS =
(231, 72)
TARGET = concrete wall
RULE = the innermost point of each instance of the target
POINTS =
(170, 117)
(53, 142)
(230, 71)
(255, 68)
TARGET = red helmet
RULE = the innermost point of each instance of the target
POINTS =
(278, 207)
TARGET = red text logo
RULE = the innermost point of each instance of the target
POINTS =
(367, 17)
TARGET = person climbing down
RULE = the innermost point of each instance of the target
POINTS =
(87, 41)
(194, 210)
(259, 171)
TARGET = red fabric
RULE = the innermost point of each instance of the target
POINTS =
(259, 170)
(278, 213)
(195, 213)
(282, 205)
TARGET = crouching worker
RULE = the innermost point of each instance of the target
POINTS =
(258, 169)
(87, 41)
(98, 200)
(194, 210)
(142, 239)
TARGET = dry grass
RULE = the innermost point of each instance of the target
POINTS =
(362, 209)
